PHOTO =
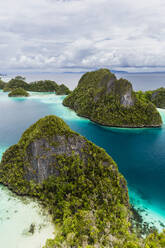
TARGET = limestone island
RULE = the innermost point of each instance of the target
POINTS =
(78, 182)
(109, 101)
(37, 86)
(63, 90)
(157, 97)
(18, 92)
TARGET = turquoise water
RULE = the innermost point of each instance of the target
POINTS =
(139, 153)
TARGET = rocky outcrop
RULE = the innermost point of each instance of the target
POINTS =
(104, 99)
(77, 180)
(158, 98)
(41, 155)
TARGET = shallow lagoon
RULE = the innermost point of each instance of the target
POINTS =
(18, 216)
(139, 153)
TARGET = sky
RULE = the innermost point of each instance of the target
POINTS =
(81, 35)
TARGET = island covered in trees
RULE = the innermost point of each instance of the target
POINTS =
(37, 86)
(18, 92)
(80, 185)
(109, 101)
(157, 97)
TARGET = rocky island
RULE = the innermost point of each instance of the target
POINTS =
(74, 178)
(18, 92)
(63, 90)
(104, 99)
(78, 182)
(157, 97)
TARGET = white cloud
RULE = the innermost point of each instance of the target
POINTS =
(55, 34)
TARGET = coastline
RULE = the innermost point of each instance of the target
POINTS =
(19, 215)
(25, 230)
(113, 126)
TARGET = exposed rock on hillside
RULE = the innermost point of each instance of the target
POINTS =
(76, 179)
(102, 98)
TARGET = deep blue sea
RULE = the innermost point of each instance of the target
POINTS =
(139, 153)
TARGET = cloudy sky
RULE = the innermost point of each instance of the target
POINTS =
(76, 35)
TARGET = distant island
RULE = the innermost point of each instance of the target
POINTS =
(157, 97)
(109, 101)
(18, 92)
(38, 86)
(63, 90)
(80, 185)
(2, 84)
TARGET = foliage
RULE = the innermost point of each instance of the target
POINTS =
(157, 97)
(2, 84)
(20, 78)
(45, 128)
(18, 92)
(99, 97)
(37, 86)
(63, 90)
(155, 240)
(87, 198)
(6, 89)
(17, 82)
(43, 86)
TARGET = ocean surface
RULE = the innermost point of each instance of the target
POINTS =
(139, 153)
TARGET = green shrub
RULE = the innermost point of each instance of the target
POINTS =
(18, 92)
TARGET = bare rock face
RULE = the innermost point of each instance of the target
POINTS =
(42, 155)
(127, 100)
(121, 89)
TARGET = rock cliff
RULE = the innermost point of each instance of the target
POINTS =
(41, 155)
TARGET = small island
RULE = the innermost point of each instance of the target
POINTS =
(43, 86)
(37, 86)
(62, 90)
(157, 97)
(18, 92)
(109, 101)
(78, 181)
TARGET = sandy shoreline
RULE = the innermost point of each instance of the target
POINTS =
(17, 214)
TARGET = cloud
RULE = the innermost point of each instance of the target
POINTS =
(52, 35)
